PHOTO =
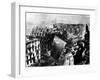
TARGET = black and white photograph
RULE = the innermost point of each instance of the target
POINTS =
(54, 39)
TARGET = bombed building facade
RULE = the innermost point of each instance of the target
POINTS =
(60, 44)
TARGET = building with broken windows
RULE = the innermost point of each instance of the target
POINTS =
(61, 44)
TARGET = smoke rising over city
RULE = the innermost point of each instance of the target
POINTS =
(41, 19)
(57, 39)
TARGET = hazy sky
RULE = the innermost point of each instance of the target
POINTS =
(40, 19)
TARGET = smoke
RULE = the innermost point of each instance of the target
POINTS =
(40, 19)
